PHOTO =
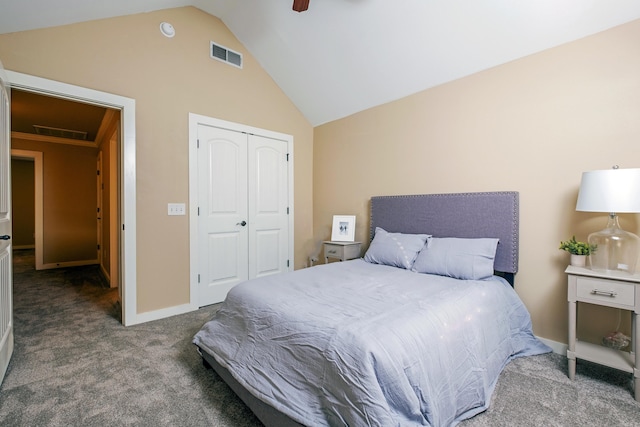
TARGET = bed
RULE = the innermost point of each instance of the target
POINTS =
(415, 333)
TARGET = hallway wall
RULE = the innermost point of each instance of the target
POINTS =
(69, 202)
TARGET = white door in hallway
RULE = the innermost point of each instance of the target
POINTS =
(243, 222)
(6, 285)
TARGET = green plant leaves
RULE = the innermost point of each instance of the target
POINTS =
(577, 248)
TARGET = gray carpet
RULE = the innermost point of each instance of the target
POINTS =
(75, 365)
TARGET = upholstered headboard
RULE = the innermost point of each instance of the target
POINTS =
(470, 215)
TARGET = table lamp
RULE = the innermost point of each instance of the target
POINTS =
(615, 191)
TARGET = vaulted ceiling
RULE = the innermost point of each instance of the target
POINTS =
(342, 56)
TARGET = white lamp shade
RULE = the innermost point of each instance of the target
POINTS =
(610, 190)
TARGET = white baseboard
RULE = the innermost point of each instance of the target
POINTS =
(105, 273)
(161, 314)
(64, 264)
(557, 347)
(18, 247)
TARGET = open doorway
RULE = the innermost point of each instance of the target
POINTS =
(79, 228)
(73, 221)
(23, 202)
(26, 179)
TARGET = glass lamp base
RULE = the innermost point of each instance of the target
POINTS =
(616, 249)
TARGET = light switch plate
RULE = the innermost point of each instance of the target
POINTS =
(177, 209)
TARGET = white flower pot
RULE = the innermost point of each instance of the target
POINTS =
(578, 260)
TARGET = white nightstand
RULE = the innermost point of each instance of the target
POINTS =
(341, 250)
(611, 290)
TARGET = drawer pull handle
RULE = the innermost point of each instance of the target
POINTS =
(606, 293)
(333, 251)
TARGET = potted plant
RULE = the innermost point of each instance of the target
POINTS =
(578, 251)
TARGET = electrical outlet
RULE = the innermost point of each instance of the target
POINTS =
(176, 209)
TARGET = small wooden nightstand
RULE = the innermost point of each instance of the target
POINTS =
(341, 250)
(611, 290)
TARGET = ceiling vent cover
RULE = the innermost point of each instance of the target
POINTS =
(60, 133)
(224, 54)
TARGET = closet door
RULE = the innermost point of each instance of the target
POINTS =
(243, 222)
(268, 205)
(222, 205)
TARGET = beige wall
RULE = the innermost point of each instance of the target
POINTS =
(168, 78)
(23, 203)
(69, 201)
(533, 126)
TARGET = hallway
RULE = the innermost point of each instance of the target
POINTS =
(80, 292)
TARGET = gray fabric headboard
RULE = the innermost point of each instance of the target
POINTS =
(471, 215)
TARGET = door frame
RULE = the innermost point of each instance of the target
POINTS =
(127, 109)
(99, 213)
(36, 157)
(194, 121)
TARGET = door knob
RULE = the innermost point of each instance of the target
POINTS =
(243, 223)
(5, 237)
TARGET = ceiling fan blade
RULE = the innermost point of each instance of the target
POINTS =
(300, 5)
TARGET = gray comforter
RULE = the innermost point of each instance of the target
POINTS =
(361, 344)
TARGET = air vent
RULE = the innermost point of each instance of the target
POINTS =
(60, 133)
(223, 54)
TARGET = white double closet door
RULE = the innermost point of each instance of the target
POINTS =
(243, 224)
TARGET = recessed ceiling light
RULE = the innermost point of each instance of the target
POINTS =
(167, 29)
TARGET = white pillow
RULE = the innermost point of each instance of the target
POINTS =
(395, 249)
(469, 259)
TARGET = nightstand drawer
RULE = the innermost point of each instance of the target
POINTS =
(341, 250)
(333, 250)
(605, 292)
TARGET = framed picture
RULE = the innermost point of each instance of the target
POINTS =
(344, 228)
